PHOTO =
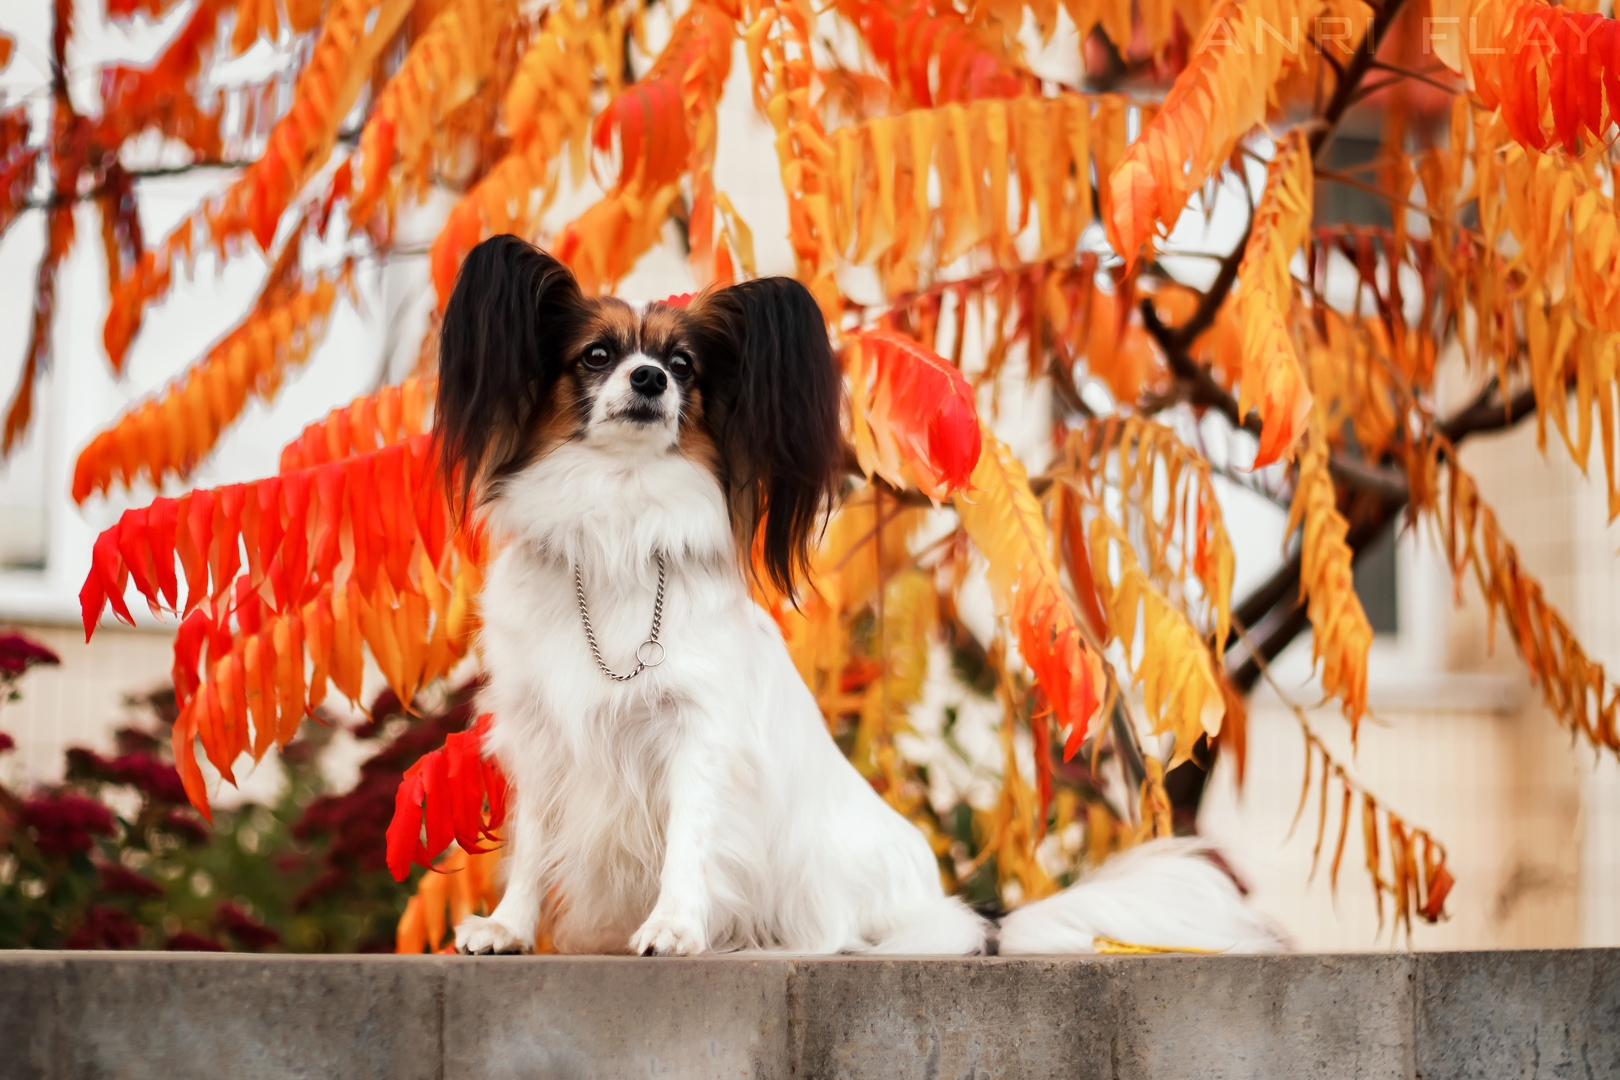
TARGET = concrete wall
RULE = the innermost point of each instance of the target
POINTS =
(1434, 1016)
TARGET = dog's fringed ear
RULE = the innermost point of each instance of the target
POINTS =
(500, 345)
(772, 394)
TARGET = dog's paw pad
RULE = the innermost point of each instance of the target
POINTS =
(669, 935)
(478, 936)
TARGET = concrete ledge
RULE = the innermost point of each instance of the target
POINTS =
(66, 1016)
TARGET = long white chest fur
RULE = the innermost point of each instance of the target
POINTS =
(702, 804)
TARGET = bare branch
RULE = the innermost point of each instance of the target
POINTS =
(96, 190)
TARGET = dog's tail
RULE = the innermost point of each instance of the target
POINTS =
(936, 927)
(1167, 894)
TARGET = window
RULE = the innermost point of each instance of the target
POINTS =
(1344, 204)
(1376, 584)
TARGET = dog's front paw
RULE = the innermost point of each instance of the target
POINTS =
(667, 933)
(478, 935)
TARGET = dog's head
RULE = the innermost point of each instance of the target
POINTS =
(741, 381)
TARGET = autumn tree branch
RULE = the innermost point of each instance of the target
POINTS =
(1274, 611)
(87, 194)
(1268, 610)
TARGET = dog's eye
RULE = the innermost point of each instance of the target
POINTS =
(681, 365)
(596, 357)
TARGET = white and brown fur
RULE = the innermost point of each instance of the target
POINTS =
(701, 806)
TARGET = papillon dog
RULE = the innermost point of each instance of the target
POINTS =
(676, 790)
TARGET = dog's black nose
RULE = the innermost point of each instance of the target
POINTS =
(648, 380)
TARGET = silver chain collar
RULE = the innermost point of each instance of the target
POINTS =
(649, 653)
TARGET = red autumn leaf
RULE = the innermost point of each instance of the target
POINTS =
(1550, 63)
(912, 407)
(165, 95)
(654, 123)
(446, 791)
(933, 56)
(374, 520)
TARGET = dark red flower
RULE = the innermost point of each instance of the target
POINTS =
(85, 764)
(289, 862)
(18, 654)
(328, 883)
(186, 825)
(116, 878)
(186, 941)
(384, 708)
(155, 779)
(244, 928)
(130, 740)
(104, 928)
(65, 823)
(299, 752)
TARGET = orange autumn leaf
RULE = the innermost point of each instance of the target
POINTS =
(1217, 98)
(258, 20)
(1181, 689)
(460, 885)
(1562, 215)
(659, 129)
(67, 157)
(542, 101)
(603, 243)
(18, 163)
(1139, 29)
(996, 165)
(546, 108)
(1133, 211)
(166, 94)
(59, 238)
(125, 10)
(353, 33)
(445, 67)
(1118, 349)
(665, 126)
(1417, 885)
(1005, 522)
(1341, 634)
(650, 129)
(392, 414)
(1553, 73)
(443, 796)
(169, 434)
(1575, 687)
(1167, 499)
(782, 68)
(1272, 380)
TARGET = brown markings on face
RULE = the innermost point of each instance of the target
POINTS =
(663, 331)
(659, 333)
(697, 444)
(666, 332)
(611, 323)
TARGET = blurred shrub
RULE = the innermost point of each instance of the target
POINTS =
(115, 858)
